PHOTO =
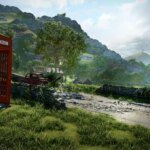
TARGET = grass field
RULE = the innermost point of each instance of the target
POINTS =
(24, 127)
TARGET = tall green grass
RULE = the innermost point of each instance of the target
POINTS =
(90, 89)
(24, 127)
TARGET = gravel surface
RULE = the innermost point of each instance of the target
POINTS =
(131, 113)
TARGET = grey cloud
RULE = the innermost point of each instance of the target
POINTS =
(141, 43)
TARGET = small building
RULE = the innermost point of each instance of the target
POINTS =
(48, 70)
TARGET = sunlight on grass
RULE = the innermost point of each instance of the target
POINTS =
(26, 127)
(121, 135)
(93, 148)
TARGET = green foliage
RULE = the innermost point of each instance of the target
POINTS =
(23, 52)
(51, 76)
(90, 89)
(60, 44)
(82, 71)
(63, 15)
(100, 62)
(25, 127)
(20, 27)
(16, 62)
(23, 45)
(102, 70)
(33, 95)
(6, 30)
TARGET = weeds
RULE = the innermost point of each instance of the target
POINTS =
(25, 127)
(90, 89)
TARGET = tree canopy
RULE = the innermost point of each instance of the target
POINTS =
(60, 44)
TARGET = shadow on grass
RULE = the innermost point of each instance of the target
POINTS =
(34, 95)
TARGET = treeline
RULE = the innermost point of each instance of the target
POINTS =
(101, 70)
(129, 92)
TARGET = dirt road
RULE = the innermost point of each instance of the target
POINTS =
(131, 113)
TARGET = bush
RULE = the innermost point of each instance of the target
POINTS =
(53, 78)
(43, 95)
(90, 89)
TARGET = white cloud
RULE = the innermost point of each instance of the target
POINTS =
(121, 29)
(60, 4)
(103, 21)
(94, 27)
(64, 3)
(124, 28)
(43, 7)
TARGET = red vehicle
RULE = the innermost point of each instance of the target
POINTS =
(34, 79)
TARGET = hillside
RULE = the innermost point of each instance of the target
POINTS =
(9, 9)
(94, 46)
(140, 57)
(33, 24)
(23, 27)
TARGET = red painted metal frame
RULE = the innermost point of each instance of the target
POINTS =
(5, 69)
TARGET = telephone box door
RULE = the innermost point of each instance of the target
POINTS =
(5, 69)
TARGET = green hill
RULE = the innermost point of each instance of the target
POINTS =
(23, 27)
(140, 57)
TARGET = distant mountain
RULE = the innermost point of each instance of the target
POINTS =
(26, 25)
(8, 9)
(64, 20)
(140, 57)
(94, 46)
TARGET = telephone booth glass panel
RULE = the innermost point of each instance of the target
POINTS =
(5, 69)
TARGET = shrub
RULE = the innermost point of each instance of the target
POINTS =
(90, 89)
(43, 95)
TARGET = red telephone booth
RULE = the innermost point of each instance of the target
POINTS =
(5, 69)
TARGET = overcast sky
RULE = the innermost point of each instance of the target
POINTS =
(123, 25)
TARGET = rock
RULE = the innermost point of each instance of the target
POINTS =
(118, 110)
(3, 106)
(60, 100)
(66, 95)
(100, 101)
(74, 102)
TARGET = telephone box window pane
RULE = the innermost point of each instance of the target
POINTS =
(3, 73)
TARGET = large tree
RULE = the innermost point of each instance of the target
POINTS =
(60, 44)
